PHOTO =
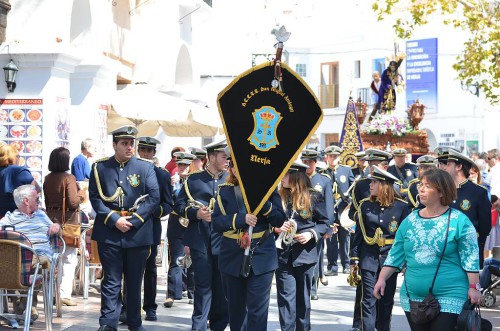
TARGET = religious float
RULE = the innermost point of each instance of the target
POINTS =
(388, 131)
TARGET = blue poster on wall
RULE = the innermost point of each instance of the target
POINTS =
(421, 73)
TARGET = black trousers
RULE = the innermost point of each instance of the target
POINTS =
(118, 262)
(294, 296)
(338, 244)
(150, 281)
(209, 300)
(443, 322)
(248, 300)
(174, 277)
(318, 269)
(376, 313)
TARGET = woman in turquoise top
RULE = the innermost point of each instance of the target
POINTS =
(418, 244)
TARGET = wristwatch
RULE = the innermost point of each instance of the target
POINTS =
(477, 286)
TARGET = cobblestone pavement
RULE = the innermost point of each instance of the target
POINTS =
(333, 311)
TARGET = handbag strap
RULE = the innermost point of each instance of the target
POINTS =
(63, 211)
(440, 259)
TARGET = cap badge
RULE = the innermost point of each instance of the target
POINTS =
(266, 120)
(133, 180)
(130, 130)
(148, 140)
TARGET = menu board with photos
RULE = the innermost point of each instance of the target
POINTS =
(21, 126)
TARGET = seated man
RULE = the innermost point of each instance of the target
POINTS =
(35, 225)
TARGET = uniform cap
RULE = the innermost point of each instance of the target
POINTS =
(126, 132)
(427, 160)
(148, 142)
(184, 157)
(458, 157)
(309, 154)
(383, 175)
(399, 152)
(360, 155)
(298, 166)
(333, 150)
(442, 154)
(216, 146)
(199, 152)
(372, 154)
(227, 150)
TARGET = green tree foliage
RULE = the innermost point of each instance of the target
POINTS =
(479, 62)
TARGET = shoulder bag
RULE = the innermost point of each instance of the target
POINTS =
(470, 317)
(71, 227)
(426, 310)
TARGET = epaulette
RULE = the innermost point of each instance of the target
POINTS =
(150, 161)
(195, 172)
(102, 159)
(406, 202)
(226, 184)
(162, 168)
(363, 200)
(413, 181)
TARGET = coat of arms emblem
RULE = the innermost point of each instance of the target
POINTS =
(266, 120)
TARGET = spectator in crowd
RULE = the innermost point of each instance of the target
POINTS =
(62, 199)
(419, 244)
(11, 177)
(37, 227)
(493, 178)
(493, 238)
(80, 167)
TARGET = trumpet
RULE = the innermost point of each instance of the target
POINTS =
(184, 261)
(287, 237)
(354, 278)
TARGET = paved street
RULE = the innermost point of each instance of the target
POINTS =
(332, 312)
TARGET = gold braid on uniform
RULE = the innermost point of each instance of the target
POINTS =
(377, 237)
(118, 193)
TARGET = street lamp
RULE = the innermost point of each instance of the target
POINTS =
(10, 71)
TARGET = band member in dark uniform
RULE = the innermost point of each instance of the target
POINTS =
(360, 191)
(123, 235)
(201, 188)
(338, 243)
(424, 163)
(321, 182)
(248, 297)
(360, 169)
(147, 150)
(472, 199)
(297, 252)
(403, 171)
(377, 220)
(175, 234)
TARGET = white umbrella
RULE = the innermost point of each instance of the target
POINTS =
(149, 110)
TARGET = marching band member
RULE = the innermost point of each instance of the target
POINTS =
(203, 242)
(338, 243)
(402, 170)
(377, 220)
(424, 163)
(123, 235)
(297, 258)
(321, 182)
(175, 235)
(247, 296)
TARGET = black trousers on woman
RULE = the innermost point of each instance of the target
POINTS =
(443, 322)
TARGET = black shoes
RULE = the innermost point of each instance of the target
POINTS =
(151, 315)
(314, 297)
(106, 328)
(123, 317)
(324, 281)
(191, 302)
(168, 303)
(136, 328)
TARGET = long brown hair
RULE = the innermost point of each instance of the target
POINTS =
(299, 192)
(385, 194)
(232, 179)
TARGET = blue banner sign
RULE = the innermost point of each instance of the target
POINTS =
(421, 73)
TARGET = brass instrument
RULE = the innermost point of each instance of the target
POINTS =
(287, 237)
(184, 261)
(354, 278)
